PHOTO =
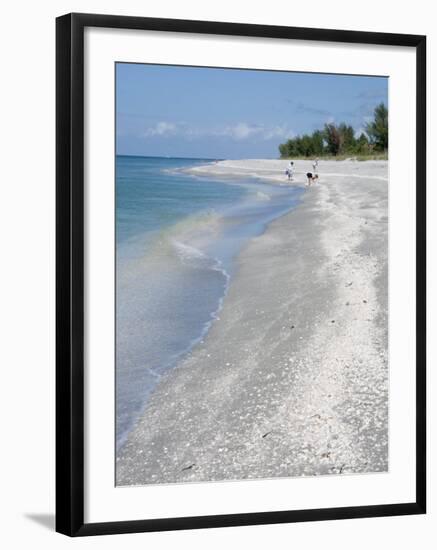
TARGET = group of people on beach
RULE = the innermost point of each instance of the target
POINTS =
(311, 176)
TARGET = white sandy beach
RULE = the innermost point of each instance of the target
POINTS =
(292, 379)
(273, 171)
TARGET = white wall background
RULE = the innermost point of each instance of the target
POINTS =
(27, 136)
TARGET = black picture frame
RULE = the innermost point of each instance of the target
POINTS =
(70, 273)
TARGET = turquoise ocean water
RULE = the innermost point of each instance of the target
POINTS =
(177, 239)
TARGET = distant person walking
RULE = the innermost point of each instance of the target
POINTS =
(290, 170)
(315, 165)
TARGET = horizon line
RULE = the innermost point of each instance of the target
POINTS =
(188, 158)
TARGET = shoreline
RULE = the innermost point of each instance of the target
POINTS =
(273, 171)
(291, 378)
(184, 259)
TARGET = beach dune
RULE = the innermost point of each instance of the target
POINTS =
(292, 378)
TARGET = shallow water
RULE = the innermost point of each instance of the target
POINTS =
(177, 239)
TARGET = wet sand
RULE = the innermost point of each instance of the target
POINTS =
(292, 379)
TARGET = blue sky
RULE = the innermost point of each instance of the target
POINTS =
(226, 113)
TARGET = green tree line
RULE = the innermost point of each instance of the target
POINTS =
(340, 139)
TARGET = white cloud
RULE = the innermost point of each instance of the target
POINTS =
(239, 131)
(278, 132)
(243, 130)
(161, 129)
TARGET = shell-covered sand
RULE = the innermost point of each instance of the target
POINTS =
(292, 379)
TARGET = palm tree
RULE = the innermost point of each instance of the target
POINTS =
(377, 130)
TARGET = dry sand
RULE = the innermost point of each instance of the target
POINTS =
(292, 379)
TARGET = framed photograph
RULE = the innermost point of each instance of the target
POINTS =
(240, 274)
